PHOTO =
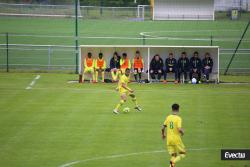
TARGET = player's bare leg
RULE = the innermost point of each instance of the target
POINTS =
(172, 163)
(180, 156)
(137, 107)
(122, 101)
(103, 74)
(93, 76)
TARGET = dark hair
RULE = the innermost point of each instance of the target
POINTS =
(124, 54)
(127, 69)
(196, 53)
(100, 54)
(115, 53)
(183, 53)
(175, 107)
(89, 54)
(137, 52)
(171, 53)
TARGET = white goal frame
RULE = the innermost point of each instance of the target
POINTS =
(148, 51)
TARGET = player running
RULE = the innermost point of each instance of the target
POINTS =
(125, 91)
(175, 146)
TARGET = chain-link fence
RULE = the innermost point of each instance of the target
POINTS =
(45, 58)
(89, 12)
(140, 12)
(59, 58)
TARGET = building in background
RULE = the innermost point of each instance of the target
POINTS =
(183, 9)
(226, 5)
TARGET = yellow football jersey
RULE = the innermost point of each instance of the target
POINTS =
(123, 80)
(173, 123)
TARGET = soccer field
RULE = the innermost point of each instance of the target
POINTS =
(61, 124)
(57, 31)
(60, 31)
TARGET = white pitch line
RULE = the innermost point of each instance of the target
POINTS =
(185, 31)
(149, 90)
(33, 82)
(129, 154)
(37, 77)
(150, 35)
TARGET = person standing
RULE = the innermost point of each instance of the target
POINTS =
(124, 92)
(175, 146)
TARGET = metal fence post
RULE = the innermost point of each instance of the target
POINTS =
(143, 12)
(49, 57)
(7, 52)
(101, 7)
(143, 40)
(113, 12)
(211, 40)
(76, 35)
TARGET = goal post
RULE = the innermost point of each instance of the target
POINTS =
(148, 52)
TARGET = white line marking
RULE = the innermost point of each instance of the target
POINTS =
(72, 81)
(150, 35)
(33, 82)
(183, 91)
(129, 154)
(37, 77)
(185, 31)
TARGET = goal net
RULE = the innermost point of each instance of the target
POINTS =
(148, 52)
(183, 9)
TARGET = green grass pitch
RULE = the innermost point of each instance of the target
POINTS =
(56, 123)
(225, 33)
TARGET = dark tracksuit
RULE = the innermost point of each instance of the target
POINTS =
(171, 63)
(195, 63)
(207, 62)
(114, 63)
(156, 66)
(183, 67)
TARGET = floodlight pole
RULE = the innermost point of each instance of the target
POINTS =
(76, 35)
(235, 51)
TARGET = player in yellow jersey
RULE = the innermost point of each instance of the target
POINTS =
(175, 145)
(125, 91)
